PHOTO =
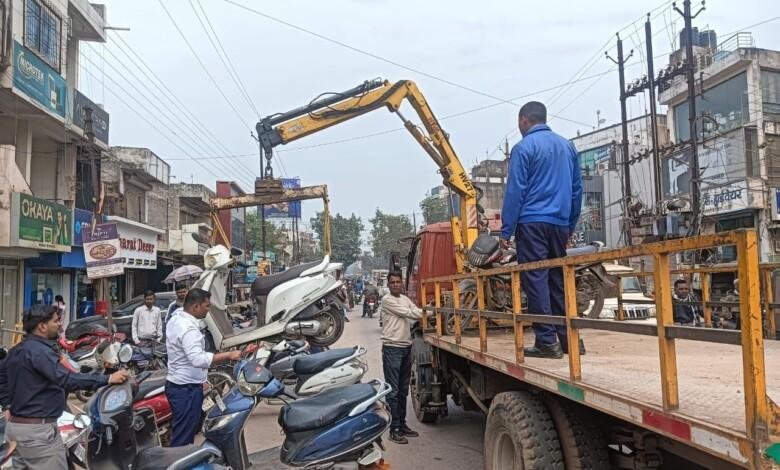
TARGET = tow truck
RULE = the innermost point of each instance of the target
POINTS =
(645, 396)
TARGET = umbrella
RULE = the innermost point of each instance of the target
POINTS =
(183, 273)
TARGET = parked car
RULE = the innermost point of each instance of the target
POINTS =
(122, 315)
(636, 304)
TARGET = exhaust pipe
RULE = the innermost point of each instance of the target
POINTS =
(305, 328)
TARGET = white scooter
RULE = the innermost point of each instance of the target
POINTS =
(302, 302)
(311, 374)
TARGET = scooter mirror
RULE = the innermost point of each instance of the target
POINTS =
(255, 373)
(199, 238)
(81, 421)
(236, 252)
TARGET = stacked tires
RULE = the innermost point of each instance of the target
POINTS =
(527, 432)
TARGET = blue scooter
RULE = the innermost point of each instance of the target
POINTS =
(339, 429)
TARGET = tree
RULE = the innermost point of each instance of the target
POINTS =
(434, 210)
(344, 236)
(275, 238)
(386, 231)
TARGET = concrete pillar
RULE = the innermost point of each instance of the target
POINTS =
(24, 147)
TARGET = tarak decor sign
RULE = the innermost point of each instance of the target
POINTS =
(137, 245)
(40, 224)
(39, 81)
(102, 252)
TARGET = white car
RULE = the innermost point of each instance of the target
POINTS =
(637, 306)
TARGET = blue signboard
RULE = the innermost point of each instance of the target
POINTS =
(39, 81)
(81, 221)
(290, 210)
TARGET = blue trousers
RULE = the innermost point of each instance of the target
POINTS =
(186, 404)
(544, 287)
(397, 366)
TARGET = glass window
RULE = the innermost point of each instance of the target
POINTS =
(631, 285)
(42, 31)
(726, 103)
(770, 91)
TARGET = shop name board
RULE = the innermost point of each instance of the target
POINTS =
(100, 118)
(40, 224)
(137, 244)
(731, 198)
(102, 252)
(39, 81)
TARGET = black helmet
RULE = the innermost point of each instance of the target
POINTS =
(484, 250)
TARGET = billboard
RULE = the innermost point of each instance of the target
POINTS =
(102, 252)
(285, 210)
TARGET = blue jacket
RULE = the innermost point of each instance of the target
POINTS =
(544, 182)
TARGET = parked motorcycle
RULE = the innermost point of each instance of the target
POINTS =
(315, 426)
(304, 301)
(486, 253)
(95, 335)
(138, 358)
(311, 374)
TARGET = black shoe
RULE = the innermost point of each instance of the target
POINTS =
(549, 351)
(346, 319)
(565, 348)
(397, 436)
(408, 432)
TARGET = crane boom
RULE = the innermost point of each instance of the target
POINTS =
(325, 112)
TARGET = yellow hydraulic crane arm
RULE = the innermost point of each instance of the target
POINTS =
(327, 111)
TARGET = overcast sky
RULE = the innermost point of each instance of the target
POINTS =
(501, 49)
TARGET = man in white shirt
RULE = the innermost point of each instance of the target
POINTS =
(398, 313)
(147, 321)
(188, 365)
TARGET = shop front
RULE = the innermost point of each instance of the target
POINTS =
(138, 246)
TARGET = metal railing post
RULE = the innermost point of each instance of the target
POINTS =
(424, 319)
(706, 293)
(437, 304)
(456, 315)
(756, 405)
(769, 289)
(517, 308)
(573, 335)
(666, 346)
(482, 320)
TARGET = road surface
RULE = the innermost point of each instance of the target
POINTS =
(454, 443)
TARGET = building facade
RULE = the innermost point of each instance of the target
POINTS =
(41, 143)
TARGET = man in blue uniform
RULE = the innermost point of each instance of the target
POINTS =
(34, 387)
(541, 207)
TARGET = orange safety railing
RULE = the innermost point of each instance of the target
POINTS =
(761, 413)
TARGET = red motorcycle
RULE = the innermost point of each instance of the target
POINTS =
(90, 340)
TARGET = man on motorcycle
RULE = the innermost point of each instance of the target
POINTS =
(541, 207)
(370, 294)
(188, 365)
(33, 391)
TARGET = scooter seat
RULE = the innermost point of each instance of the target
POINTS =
(153, 383)
(263, 284)
(313, 363)
(161, 458)
(324, 408)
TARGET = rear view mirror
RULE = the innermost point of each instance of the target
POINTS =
(199, 238)
(236, 252)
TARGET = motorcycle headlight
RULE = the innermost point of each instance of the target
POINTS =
(214, 424)
(246, 388)
(125, 353)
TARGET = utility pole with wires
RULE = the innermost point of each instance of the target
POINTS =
(621, 62)
(660, 223)
(690, 69)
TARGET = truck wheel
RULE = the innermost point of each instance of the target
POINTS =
(520, 435)
(583, 444)
(418, 385)
(333, 326)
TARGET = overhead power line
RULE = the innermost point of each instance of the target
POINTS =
(389, 61)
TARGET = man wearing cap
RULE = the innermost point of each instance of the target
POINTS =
(34, 388)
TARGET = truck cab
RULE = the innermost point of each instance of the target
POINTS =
(424, 263)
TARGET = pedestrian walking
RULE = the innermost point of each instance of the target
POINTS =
(398, 313)
(541, 207)
(188, 365)
(33, 391)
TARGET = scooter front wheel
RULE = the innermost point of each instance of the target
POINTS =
(332, 327)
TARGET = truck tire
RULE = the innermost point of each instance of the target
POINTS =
(583, 444)
(520, 434)
(421, 379)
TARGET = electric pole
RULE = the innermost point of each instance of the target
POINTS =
(690, 69)
(621, 62)
(660, 224)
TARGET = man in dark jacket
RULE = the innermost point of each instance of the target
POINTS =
(33, 391)
(541, 207)
(686, 315)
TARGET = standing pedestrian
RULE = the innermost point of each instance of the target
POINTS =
(398, 314)
(59, 302)
(33, 391)
(541, 206)
(181, 293)
(147, 320)
(188, 365)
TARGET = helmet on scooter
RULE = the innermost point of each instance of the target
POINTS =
(484, 251)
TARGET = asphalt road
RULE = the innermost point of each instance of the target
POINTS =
(454, 443)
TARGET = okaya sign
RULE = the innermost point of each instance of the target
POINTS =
(40, 224)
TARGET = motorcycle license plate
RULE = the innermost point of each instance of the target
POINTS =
(80, 452)
(220, 403)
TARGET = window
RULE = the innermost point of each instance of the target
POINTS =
(42, 32)
(726, 103)
(770, 91)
